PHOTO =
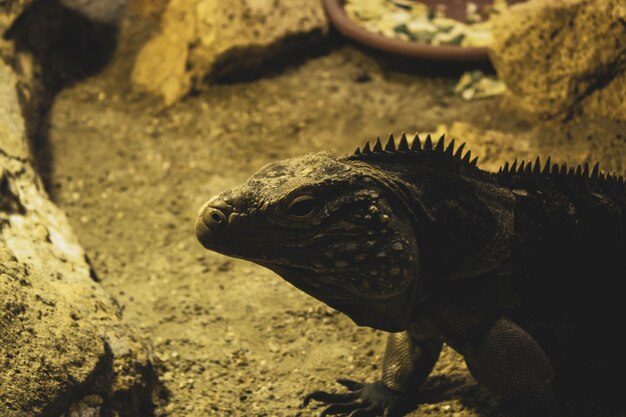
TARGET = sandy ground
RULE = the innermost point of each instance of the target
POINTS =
(233, 338)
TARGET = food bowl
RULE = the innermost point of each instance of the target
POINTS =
(454, 9)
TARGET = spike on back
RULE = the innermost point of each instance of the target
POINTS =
(450, 148)
(440, 143)
(378, 146)
(428, 144)
(529, 168)
(536, 169)
(610, 179)
(416, 145)
(403, 146)
(459, 151)
(391, 144)
(555, 169)
(583, 172)
(446, 153)
(596, 171)
(546, 167)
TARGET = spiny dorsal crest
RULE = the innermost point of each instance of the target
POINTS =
(416, 145)
(583, 172)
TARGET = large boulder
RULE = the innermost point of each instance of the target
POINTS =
(202, 39)
(64, 349)
(559, 56)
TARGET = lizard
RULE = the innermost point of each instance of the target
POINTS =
(518, 270)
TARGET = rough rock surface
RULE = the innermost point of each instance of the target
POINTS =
(610, 100)
(562, 55)
(63, 344)
(203, 39)
(9, 11)
(110, 11)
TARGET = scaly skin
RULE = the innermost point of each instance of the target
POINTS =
(518, 271)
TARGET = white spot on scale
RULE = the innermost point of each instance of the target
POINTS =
(350, 246)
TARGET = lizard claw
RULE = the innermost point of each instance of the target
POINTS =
(350, 384)
(362, 400)
(330, 398)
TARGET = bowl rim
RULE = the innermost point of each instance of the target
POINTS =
(347, 27)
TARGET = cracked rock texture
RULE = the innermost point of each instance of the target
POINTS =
(564, 56)
(202, 39)
(63, 345)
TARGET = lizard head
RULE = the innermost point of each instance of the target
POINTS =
(327, 227)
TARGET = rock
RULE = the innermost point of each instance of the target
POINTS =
(492, 147)
(203, 39)
(608, 101)
(555, 56)
(63, 342)
(148, 8)
(36, 352)
(68, 44)
(110, 11)
(9, 11)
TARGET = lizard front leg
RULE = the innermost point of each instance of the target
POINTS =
(507, 361)
(409, 359)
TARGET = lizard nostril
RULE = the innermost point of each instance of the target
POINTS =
(214, 217)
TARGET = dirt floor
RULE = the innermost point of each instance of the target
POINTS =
(234, 339)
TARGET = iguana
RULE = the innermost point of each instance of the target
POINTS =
(519, 271)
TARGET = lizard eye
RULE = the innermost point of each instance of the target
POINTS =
(302, 207)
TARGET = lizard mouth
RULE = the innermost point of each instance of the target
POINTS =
(203, 233)
(228, 242)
